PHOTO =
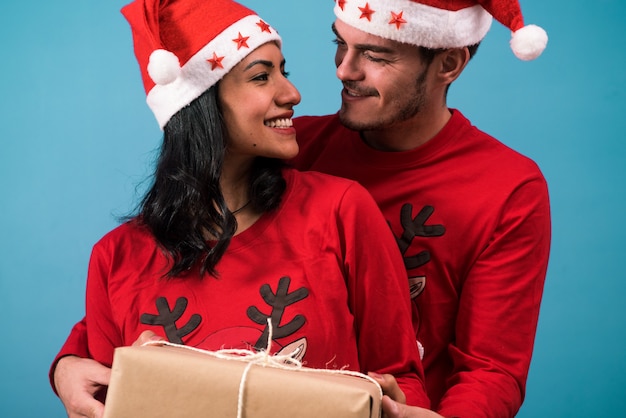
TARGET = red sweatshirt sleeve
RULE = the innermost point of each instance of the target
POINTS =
(103, 335)
(75, 345)
(98, 316)
(499, 309)
(379, 296)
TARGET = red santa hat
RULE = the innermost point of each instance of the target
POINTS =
(442, 23)
(186, 46)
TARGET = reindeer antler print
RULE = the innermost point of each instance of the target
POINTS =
(278, 302)
(416, 227)
(167, 319)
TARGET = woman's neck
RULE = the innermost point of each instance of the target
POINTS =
(234, 182)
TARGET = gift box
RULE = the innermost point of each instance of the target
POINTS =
(165, 381)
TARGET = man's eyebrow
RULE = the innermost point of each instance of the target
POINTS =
(365, 47)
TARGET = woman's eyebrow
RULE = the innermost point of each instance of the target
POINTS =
(266, 63)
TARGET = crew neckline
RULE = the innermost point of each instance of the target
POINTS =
(415, 156)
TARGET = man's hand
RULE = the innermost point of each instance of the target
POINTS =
(77, 381)
(394, 400)
(393, 409)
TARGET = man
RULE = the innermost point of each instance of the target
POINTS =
(470, 215)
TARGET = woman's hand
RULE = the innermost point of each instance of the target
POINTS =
(78, 381)
(147, 336)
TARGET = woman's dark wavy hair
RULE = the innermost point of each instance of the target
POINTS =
(185, 202)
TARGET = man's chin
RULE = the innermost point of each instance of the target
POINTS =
(352, 121)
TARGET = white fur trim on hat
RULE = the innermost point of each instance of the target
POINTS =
(415, 23)
(175, 90)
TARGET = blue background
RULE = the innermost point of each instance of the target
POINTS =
(77, 140)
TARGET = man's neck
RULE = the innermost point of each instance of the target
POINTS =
(409, 134)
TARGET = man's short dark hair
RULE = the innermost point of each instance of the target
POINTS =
(428, 54)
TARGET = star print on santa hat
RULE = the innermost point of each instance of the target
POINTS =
(216, 62)
(241, 41)
(264, 26)
(438, 24)
(366, 12)
(181, 54)
(396, 19)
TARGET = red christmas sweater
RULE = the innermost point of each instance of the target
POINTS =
(323, 267)
(472, 220)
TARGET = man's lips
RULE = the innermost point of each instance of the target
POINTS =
(352, 91)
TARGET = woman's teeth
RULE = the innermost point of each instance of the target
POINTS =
(279, 123)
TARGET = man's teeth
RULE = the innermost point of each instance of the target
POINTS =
(279, 123)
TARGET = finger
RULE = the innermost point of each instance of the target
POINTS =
(100, 374)
(147, 336)
(85, 406)
(391, 409)
(95, 410)
(98, 411)
(390, 387)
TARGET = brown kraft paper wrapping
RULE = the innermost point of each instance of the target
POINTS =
(172, 382)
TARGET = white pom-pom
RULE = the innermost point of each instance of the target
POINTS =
(163, 67)
(529, 42)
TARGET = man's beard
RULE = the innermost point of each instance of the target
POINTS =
(410, 107)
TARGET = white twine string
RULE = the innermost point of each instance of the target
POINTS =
(263, 358)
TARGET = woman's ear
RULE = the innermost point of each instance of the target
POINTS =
(452, 62)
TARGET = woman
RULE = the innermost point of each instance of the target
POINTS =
(227, 237)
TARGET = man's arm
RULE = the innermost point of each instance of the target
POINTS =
(498, 311)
